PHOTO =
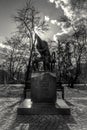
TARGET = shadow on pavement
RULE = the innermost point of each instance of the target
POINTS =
(42, 122)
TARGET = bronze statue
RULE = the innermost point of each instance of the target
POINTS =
(43, 49)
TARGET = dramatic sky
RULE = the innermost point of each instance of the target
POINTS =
(52, 11)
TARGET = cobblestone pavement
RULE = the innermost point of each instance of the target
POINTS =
(76, 99)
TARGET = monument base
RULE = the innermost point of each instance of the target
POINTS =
(27, 107)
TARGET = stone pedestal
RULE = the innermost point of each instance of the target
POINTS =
(43, 88)
(27, 107)
(43, 97)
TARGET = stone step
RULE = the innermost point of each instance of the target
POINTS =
(29, 108)
(62, 104)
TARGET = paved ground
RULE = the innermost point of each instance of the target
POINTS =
(9, 120)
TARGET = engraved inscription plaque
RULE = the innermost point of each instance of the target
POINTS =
(43, 88)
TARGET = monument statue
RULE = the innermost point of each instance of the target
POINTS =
(41, 90)
(48, 60)
(43, 49)
(35, 66)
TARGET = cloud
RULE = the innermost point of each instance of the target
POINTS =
(60, 36)
(64, 33)
(53, 21)
(73, 11)
(68, 12)
(65, 1)
(66, 7)
(66, 30)
(57, 3)
(70, 7)
(47, 18)
(51, 1)
(2, 46)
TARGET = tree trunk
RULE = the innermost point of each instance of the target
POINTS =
(28, 74)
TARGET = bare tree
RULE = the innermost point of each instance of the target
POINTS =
(80, 45)
(15, 56)
(28, 20)
(71, 53)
